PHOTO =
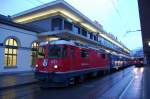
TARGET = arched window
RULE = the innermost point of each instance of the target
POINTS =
(34, 53)
(10, 58)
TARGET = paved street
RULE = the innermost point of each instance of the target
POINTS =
(124, 84)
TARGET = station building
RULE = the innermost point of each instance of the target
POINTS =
(21, 34)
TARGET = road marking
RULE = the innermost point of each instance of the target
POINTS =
(124, 91)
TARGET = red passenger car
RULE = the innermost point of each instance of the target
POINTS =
(63, 62)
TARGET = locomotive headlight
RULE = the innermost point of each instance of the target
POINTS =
(141, 61)
(55, 66)
(141, 70)
(36, 65)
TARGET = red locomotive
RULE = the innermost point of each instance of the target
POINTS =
(63, 62)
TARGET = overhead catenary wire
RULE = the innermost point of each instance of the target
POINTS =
(124, 23)
(40, 1)
(34, 3)
(132, 32)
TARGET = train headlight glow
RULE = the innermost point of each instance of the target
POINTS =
(36, 65)
(55, 66)
(141, 61)
(141, 70)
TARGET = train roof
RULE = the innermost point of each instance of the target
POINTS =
(58, 42)
(79, 44)
(70, 42)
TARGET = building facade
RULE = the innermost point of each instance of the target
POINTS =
(16, 42)
(19, 40)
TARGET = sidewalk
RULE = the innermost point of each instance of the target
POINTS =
(146, 83)
(15, 80)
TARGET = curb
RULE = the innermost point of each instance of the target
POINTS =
(17, 85)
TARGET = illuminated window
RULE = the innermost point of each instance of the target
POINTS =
(41, 52)
(34, 53)
(10, 58)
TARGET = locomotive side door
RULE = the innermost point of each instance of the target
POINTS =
(72, 58)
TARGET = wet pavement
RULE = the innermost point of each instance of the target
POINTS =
(124, 84)
(15, 80)
(135, 90)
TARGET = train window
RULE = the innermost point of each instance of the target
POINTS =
(103, 56)
(72, 52)
(56, 51)
(41, 52)
(84, 53)
(63, 51)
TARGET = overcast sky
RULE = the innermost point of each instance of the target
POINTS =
(116, 16)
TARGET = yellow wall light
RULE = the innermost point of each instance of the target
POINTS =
(34, 16)
(114, 42)
(41, 14)
(70, 15)
(89, 27)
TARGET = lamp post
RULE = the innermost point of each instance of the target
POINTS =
(133, 31)
(149, 43)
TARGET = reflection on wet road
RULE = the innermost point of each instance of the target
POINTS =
(135, 89)
(124, 84)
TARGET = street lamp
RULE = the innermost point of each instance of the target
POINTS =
(149, 43)
(133, 31)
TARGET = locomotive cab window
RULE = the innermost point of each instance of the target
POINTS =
(72, 52)
(56, 51)
(84, 53)
(103, 56)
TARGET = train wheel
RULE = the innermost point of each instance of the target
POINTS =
(81, 79)
(94, 74)
(104, 72)
(71, 81)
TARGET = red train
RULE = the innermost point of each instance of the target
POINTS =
(139, 61)
(64, 62)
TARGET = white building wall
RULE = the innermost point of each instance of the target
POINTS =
(25, 39)
(1, 57)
